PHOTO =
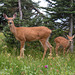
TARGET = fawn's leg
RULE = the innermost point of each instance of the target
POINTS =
(64, 51)
(57, 46)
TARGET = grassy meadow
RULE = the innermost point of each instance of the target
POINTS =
(31, 64)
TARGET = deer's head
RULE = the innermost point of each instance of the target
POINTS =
(10, 19)
(70, 38)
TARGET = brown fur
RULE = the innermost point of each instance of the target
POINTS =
(24, 34)
(65, 43)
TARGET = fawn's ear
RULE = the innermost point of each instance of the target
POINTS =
(73, 36)
(67, 35)
(14, 16)
(5, 16)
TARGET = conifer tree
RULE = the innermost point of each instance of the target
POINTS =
(63, 10)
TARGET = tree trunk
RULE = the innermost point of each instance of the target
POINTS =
(71, 31)
(20, 11)
(71, 27)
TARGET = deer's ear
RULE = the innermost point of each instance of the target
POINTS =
(5, 16)
(14, 16)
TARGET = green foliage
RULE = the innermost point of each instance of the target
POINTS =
(60, 9)
(55, 10)
(27, 21)
(11, 65)
(9, 7)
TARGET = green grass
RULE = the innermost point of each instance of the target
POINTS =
(31, 64)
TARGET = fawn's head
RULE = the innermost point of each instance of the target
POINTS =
(10, 19)
(70, 38)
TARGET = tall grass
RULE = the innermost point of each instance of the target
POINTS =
(31, 64)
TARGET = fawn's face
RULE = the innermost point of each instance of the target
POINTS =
(70, 38)
(10, 20)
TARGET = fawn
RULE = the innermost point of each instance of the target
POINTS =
(65, 43)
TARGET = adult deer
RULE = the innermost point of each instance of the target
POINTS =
(24, 34)
(65, 43)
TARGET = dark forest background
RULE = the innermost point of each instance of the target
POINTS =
(59, 16)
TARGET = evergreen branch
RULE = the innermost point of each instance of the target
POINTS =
(37, 11)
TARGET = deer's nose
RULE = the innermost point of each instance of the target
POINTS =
(10, 23)
(70, 40)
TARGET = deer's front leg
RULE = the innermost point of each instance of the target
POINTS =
(22, 49)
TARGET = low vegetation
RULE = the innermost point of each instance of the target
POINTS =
(31, 64)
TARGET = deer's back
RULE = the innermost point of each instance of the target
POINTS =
(33, 33)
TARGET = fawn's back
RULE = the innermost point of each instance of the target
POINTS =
(61, 41)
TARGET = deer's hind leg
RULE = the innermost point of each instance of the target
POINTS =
(49, 46)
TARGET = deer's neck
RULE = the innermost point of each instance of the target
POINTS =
(13, 29)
